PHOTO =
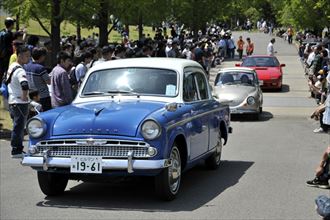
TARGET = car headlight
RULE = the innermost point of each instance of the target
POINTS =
(250, 100)
(36, 127)
(150, 130)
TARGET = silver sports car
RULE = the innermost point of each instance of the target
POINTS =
(240, 88)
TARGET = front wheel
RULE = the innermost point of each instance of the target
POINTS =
(213, 162)
(52, 184)
(167, 183)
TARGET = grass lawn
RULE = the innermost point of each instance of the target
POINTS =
(67, 28)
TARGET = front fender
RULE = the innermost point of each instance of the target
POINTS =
(172, 135)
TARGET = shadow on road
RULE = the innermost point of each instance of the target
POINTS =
(285, 89)
(199, 186)
(265, 116)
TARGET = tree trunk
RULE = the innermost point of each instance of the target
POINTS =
(17, 21)
(140, 24)
(194, 26)
(78, 30)
(103, 23)
(55, 29)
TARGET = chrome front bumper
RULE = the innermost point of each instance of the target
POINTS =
(128, 164)
(243, 111)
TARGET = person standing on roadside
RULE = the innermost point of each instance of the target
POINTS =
(60, 83)
(249, 47)
(270, 48)
(290, 35)
(38, 77)
(240, 47)
(18, 89)
(317, 61)
(6, 49)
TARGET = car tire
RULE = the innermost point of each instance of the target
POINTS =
(167, 183)
(213, 162)
(52, 184)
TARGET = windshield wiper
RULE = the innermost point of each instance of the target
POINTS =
(124, 92)
(93, 93)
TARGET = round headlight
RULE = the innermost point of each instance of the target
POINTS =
(36, 128)
(150, 130)
(250, 100)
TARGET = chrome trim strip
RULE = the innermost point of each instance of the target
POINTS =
(107, 164)
(184, 121)
(78, 142)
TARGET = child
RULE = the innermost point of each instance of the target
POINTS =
(35, 107)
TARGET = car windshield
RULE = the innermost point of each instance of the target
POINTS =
(132, 81)
(261, 62)
(235, 78)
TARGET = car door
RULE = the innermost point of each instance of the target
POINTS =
(196, 95)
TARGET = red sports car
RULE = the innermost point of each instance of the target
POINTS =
(268, 68)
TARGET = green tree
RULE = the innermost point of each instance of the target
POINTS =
(46, 13)
(306, 14)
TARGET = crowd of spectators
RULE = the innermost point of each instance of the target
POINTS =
(57, 85)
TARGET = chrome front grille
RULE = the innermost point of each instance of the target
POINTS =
(94, 147)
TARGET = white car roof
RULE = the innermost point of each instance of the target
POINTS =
(163, 63)
(236, 69)
(175, 64)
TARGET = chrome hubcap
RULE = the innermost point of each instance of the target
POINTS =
(174, 171)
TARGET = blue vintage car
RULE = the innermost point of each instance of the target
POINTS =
(143, 116)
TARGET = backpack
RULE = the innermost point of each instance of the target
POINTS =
(4, 85)
(72, 76)
(2, 42)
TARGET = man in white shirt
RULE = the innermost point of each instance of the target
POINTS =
(81, 68)
(18, 89)
(270, 48)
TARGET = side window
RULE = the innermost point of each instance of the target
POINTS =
(189, 88)
(202, 86)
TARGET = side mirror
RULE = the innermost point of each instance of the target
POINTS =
(237, 64)
(282, 65)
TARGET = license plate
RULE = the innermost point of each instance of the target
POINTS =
(86, 164)
(233, 110)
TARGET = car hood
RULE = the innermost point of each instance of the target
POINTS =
(234, 93)
(267, 73)
(106, 118)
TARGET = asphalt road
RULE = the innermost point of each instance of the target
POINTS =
(265, 166)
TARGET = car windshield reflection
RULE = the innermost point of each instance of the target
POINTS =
(235, 78)
(131, 81)
(260, 62)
